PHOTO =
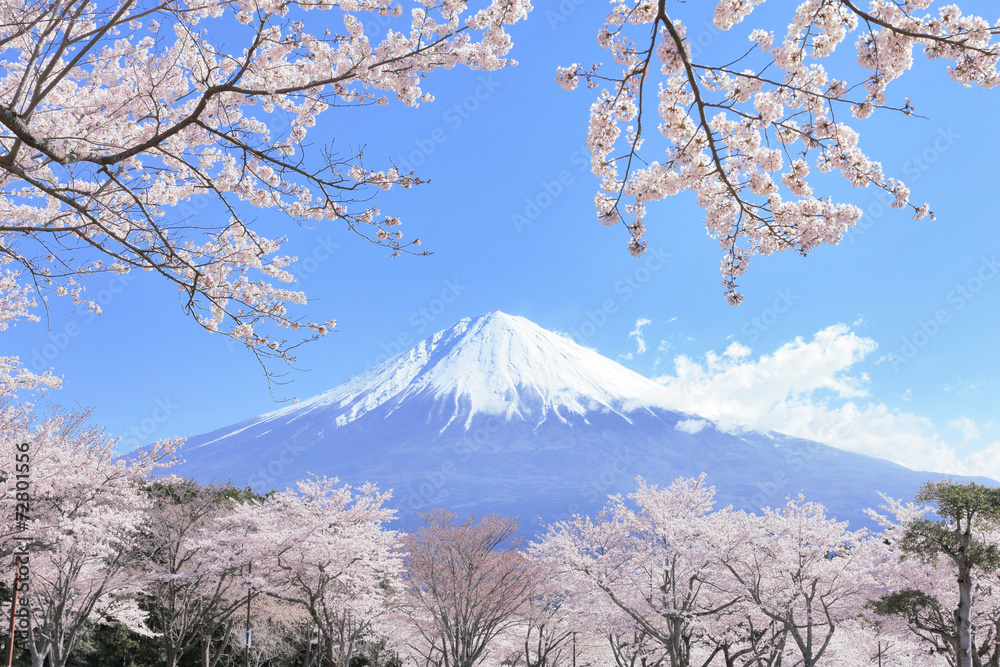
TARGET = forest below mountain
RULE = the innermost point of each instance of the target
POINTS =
(118, 568)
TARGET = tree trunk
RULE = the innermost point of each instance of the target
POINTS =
(309, 653)
(679, 648)
(37, 657)
(963, 614)
(207, 660)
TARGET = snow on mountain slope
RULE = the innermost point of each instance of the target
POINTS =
(497, 414)
(496, 364)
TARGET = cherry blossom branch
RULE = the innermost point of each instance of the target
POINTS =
(105, 137)
(738, 162)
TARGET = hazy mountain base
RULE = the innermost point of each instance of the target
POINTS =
(550, 471)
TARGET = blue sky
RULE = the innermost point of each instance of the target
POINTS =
(885, 344)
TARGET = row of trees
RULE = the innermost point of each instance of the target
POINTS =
(172, 568)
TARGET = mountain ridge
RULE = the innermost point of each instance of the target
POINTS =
(498, 414)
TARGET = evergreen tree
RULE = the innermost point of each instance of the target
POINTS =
(967, 512)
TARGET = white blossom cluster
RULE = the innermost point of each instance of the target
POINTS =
(742, 135)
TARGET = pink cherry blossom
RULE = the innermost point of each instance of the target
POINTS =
(741, 135)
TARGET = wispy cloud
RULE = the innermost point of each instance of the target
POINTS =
(636, 333)
(963, 386)
(967, 427)
(691, 425)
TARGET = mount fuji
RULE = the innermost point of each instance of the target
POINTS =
(496, 414)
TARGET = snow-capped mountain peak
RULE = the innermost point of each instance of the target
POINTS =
(498, 414)
(495, 364)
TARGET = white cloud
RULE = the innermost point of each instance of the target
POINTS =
(963, 386)
(637, 334)
(692, 426)
(663, 347)
(970, 432)
(737, 351)
(813, 389)
(984, 462)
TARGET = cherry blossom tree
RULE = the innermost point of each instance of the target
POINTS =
(132, 139)
(466, 584)
(635, 648)
(858, 643)
(324, 550)
(86, 507)
(802, 570)
(652, 563)
(274, 631)
(743, 127)
(186, 596)
(547, 631)
(584, 623)
(742, 635)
